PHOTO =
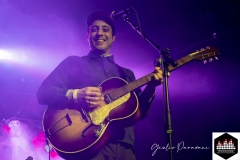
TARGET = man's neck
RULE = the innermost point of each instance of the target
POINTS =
(102, 54)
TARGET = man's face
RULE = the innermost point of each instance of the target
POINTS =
(100, 37)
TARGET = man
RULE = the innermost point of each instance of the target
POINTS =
(76, 79)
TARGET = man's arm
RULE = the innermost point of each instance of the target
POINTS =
(54, 88)
(145, 99)
(147, 96)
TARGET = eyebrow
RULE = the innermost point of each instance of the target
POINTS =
(104, 26)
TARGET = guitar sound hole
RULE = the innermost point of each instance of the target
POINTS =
(84, 135)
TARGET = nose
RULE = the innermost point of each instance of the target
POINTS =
(100, 32)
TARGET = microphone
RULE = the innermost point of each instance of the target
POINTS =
(116, 14)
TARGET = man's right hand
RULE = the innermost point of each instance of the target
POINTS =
(88, 95)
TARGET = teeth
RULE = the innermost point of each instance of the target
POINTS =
(100, 40)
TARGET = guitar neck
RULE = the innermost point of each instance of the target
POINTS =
(180, 62)
(144, 80)
(130, 86)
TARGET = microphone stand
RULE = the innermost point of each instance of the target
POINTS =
(164, 60)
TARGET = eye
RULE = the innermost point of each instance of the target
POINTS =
(94, 29)
(106, 29)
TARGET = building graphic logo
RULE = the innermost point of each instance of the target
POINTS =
(225, 145)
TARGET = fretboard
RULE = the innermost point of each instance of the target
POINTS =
(144, 80)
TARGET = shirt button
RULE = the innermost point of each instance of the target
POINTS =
(106, 70)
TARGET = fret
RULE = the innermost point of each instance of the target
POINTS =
(180, 62)
(130, 87)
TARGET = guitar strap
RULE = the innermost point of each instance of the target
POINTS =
(123, 74)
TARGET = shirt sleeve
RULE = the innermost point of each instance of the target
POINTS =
(143, 101)
(54, 88)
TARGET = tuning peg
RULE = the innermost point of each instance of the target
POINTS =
(210, 59)
(204, 61)
(216, 58)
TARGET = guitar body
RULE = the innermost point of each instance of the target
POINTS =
(75, 138)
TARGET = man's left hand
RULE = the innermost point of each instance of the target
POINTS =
(157, 77)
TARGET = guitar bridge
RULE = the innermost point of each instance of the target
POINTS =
(59, 125)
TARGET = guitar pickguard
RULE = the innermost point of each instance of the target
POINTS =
(98, 115)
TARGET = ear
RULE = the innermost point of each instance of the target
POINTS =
(87, 36)
(113, 38)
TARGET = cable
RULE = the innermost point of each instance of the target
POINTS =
(49, 150)
(138, 20)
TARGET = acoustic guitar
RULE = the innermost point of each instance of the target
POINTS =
(80, 134)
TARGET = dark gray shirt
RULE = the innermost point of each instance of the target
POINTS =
(79, 72)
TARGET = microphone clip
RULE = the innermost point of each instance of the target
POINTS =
(167, 58)
(116, 14)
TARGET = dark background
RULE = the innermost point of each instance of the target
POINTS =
(203, 98)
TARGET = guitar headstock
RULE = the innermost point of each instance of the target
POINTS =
(205, 53)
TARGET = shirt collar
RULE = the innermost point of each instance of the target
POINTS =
(92, 55)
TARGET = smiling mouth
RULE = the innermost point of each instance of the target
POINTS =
(100, 41)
